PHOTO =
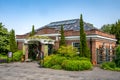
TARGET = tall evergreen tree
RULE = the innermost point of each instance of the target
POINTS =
(62, 40)
(33, 31)
(84, 50)
(13, 44)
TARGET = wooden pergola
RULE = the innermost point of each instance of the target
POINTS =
(44, 41)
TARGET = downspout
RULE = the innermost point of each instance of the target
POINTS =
(91, 49)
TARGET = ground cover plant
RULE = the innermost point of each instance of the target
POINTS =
(115, 64)
(110, 66)
(16, 56)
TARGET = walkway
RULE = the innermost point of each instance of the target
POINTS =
(31, 71)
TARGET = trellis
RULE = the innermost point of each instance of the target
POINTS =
(105, 54)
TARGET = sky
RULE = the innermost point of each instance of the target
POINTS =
(20, 15)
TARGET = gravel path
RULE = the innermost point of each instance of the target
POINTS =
(32, 71)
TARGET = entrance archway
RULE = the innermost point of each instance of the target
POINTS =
(36, 45)
(34, 49)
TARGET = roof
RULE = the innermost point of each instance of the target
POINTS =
(70, 25)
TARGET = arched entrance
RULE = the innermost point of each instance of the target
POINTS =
(37, 45)
(34, 49)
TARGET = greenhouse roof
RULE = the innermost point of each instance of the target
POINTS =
(70, 25)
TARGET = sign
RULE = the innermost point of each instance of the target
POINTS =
(9, 54)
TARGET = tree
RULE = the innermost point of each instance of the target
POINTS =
(13, 44)
(115, 30)
(62, 40)
(4, 39)
(112, 31)
(84, 51)
(106, 28)
(33, 31)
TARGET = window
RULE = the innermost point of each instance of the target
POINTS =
(76, 45)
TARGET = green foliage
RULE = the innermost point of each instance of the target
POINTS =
(17, 55)
(13, 44)
(60, 62)
(57, 60)
(84, 50)
(76, 65)
(53, 60)
(68, 59)
(33, 31)
(80, 58)
(116, 69)
(116, 31)
(62, 40)
(3, 56)
(117, 59)
(56, 67)
(47, 63)
(4, 39)
(109, 66)
(67, 51)
(113, 29)
(106, 28)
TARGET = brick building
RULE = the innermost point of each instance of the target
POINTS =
(101, 44)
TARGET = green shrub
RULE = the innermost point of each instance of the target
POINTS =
(3, 56)
(56, 67)
(67, 51)
(53, 60)
(80, 58)
(47, 61)
(57, 60)
(76, 65)
(117, 69)
(17, 55)
(117, 59)
(108, 65)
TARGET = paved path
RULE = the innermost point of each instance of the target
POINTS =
(31, 71)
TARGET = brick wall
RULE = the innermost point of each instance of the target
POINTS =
(20, 36)
(95, 31)
(107, 43)
(47, 30)
(20, 45)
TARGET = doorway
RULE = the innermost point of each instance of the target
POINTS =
(50, 49)
(34, 49)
